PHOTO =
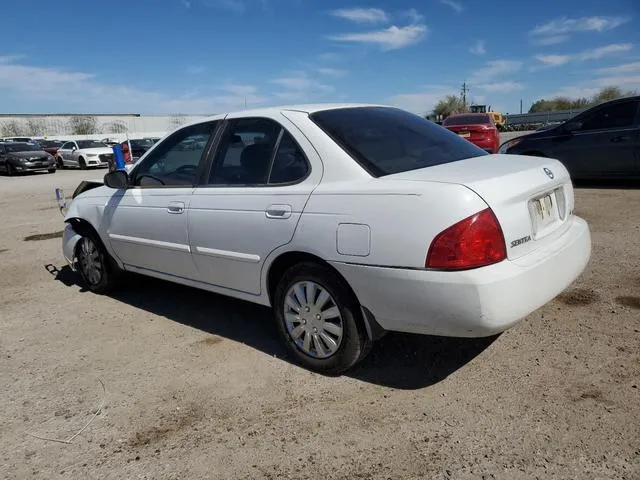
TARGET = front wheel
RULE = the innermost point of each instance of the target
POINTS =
(98, 271)
(52, 170)
(59, 163)
(82, 163)
(319, 319)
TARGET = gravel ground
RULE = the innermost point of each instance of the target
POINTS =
(196, 385)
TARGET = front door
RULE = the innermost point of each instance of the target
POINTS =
(604, 145)
(147, 223)
(250, 204)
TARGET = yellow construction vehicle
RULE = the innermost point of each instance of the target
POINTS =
(498, 118)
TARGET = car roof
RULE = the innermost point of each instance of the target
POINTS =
(468, 115)
(305, 108)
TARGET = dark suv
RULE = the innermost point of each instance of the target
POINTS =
(600, 143)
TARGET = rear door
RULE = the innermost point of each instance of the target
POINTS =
(251, 200)
(605, 145)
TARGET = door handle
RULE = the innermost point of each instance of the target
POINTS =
(175, 207)
(620, 139)
(278, 211)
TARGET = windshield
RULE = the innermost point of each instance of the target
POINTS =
(90, 144)
(22, 147)
(467, 120)
(388, 140)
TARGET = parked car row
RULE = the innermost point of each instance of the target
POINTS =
(63, 154)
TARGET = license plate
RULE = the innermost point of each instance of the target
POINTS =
(464, 134)
(544, 213)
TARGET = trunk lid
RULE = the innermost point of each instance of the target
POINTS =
(532, 197)
(472, 132)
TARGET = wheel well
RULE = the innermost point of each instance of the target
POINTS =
(287, 260)
(83, 227)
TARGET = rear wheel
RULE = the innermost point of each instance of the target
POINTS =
(10, 171)
(319, 319)
(97, 269)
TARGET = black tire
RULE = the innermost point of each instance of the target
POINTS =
(109, 270)
(354, 344)
(82, 163)
(10, 171)
(59, 163)
(52, 170)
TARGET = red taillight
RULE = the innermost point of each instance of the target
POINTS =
(474, 242)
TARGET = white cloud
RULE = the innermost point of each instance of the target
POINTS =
(362, 15)
(625, 68)
(502, 87)
(592, 54)
(598, 53)
(478, 48)
(414, 16)
(332, 72)
(583, 24)
(422, 101)
(627, 82)
(553, 40)
(457, 6)
(495, 68)
(391, 38)
(592, 87)
(300, 86)
(553, 60)
(80, 91)
(186, 3)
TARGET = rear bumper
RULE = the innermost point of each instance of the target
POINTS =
(474, 303)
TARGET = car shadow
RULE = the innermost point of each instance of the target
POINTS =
(401, 361)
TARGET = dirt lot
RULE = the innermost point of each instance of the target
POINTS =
(196, 385)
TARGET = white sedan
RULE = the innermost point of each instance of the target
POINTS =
(83, 154)
(348, 220)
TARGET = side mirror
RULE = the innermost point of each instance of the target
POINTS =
(572, 126)
(117, 179)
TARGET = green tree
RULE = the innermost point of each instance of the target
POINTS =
(13, 128)
(83, 125)
(564, 103)
(450, 105)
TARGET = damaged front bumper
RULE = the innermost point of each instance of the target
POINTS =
(70, 239)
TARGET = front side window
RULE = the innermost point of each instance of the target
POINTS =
(245, 152)
(618, 115)
(386, 140)
(68, 146)
(175, 161)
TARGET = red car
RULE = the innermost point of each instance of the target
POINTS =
(478, 128)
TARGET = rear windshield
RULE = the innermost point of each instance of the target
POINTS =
(467, 120)
(388, 140)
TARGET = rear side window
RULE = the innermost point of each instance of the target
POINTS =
(388, 140)
(468, 120)
(618, 115)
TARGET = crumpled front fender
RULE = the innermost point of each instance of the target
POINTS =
(70, 239)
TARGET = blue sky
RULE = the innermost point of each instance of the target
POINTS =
(206, 56)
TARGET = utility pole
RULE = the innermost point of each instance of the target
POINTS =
(520, 105)
(464, 91)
